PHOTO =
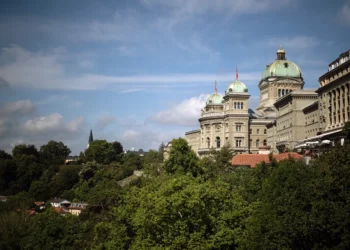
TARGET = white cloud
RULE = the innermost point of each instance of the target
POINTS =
(52, 123)
(104, 120)
(185, 113)
(21, 107)
(132, 90)
(19, 124)
(46, 71)
(146, 138)
(344, 13)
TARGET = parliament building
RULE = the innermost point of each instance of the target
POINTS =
(288, 116)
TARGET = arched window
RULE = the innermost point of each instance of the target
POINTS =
(287, 91)
(218, 142)
(208, 142)
(282, 92)
(279, 93)
(257, 142)
(235, 105)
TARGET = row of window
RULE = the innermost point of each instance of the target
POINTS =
(238, 105)
(336, 100)
(282, 92)
(257, 131)
(239, 142)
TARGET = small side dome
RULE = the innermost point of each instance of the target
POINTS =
(215, 99)
(236, 86)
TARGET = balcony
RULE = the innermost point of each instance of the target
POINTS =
(205, 115)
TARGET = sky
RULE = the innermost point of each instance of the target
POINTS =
(140, 71)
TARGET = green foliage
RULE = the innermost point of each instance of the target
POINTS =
(53, 231)
(4, 155)
(8, 174)
(103, 152)
(199, 204)
(54, 153)
(182, 159)
(19, 150)
(153, 162)
(14, 227)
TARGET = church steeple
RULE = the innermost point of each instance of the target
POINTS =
(91, 138)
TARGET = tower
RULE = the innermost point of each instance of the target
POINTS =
(236, 115)
(91, 138)
(278, 79)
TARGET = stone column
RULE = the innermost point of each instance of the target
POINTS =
(341, 93)
(346, 104)
(336, 108)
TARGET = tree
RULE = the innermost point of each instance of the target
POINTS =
(346, 130)
(182, 212)
(223, 158)
(161, 151)
(152, 162)
(8, 170)
(103, 152)
(182, 159)
(117, 147)
(4, 155)
(23, 149)
(54, 152)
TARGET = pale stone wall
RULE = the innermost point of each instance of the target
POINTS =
(290, 122)
(334, 98)
(193, 138)
(312, 122)
(258, 135)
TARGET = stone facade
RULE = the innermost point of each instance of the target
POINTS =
(287, 114)
(290, 121)
(312, 121)
(334, 94)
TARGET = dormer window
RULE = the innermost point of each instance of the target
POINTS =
(286, 65)
(230, 90)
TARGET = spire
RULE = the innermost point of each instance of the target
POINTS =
(216, 90)
(91, 138)
(236, 73)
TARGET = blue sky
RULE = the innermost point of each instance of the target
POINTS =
(140, 71)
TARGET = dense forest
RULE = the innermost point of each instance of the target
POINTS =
(181, 203)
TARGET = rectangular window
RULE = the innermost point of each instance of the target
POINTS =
(257, 142)
(257, 131)
(238, 143)
(265, 131)
(238, 128)
(235, 105)
(250, 131)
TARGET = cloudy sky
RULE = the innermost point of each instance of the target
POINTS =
(140, 71)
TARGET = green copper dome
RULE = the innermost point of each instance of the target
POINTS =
(281, 67)
(236, 86)
(215, 98)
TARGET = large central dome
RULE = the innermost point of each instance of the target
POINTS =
(281, 67)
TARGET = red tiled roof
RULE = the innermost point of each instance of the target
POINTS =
(252, 160)
(39, 203)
